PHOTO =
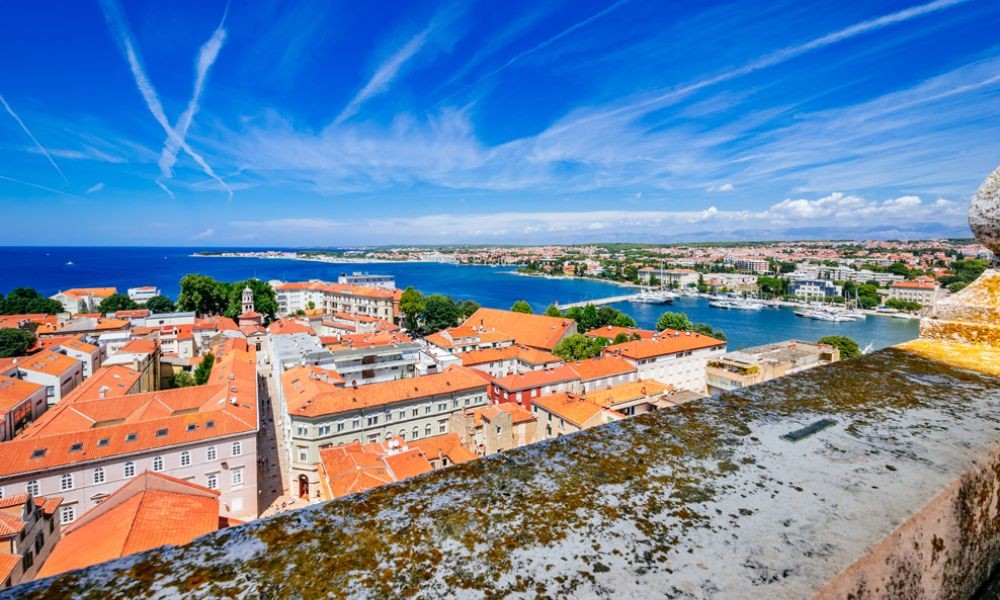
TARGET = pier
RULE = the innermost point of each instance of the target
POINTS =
(599, 301)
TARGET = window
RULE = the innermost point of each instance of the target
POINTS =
(131, 437)
(303, 455)
(238, 448)
(158, 463)
(31, 487)
(209, 424)
(66, 482)
(372, 421)
(402, 434)
(402, 415)
(302, 431)
(210, 453)
(103, 442)
(454, 403)
(427, 409)
(67, 514)
(416, 412)
(236, 476)
(442, 426)
(1, 492)
(39, 453)
(27, 560)
(191, 426)
(185, 458)
(388, 416)
(212, 481)
(340, 426)
(416, 434)
(99, 475)
(161, 433)
(427, 430)
(442, 406)
(356, 423)
(76, 447)
(129, 470)
(39, 542)
(324, 430)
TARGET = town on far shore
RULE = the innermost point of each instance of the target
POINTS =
(240, 400)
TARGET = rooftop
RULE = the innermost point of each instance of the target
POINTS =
(537, 331)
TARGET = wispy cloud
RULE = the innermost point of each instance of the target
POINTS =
(164, 187)
(38, 186)
(204, 235)
(120, 29)
(38, 144)
(384, 75)
(206, 58)
(725, 187)
(95, 188)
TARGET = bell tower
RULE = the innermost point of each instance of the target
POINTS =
(247, 300)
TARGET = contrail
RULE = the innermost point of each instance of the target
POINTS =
(163, 187)
(206, 58)
(41, 148)
(41, 187)
(774, 58)
(119, 27)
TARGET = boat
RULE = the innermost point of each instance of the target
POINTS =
(906, 316)
(720, 303)
(69, 263)
(746, 304)
(655, 297)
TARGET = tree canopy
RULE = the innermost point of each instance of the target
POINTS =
(521, 307)
(204, 369)
(590, 317)
(15, 342)
(467, 308)
(26, 301)
(203, 294)
(411, 305)
(579, 347)
(184, 379)
(848, 347)
(160, 304)
(440, 312)
(553, 311)
(264, 299)
(115, 303)
(674, 320)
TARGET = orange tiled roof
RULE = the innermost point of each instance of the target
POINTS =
(305, 382)
(15, 391)
(626, 392)
(149, 511)
(914, 285)
(523, 354)
(139, 346)
(451, 380)
(600, 367)
(339, 288)
(447, 445)
(537, 379)
(610, 332)
(138, 313)
(574, 408)
(7, 564)
(47, 362)
(538, 331)
(289, 326)
(97, 292)
(77, 343)
(349, 469)
(518, 414)
(369, 340)
(668, 342)
(116, 379)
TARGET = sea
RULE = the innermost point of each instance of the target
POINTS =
(51, 269)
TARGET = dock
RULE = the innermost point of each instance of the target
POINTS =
(599, 301)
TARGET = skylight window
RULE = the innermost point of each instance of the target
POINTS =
(192, 426)
(39, 453)
(76, 447)
(209, 424)
(103, 442)
(161, 433)
(131, 437)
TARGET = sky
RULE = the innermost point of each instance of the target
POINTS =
(315, 123)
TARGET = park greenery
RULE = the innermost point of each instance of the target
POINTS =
(904, 305)
(26, 301)
(579, 347)
(590, 317)
(522, 307)
(680, 322)
(15, 342)
(115, 303)
(208, 296)
(848, 347)
(427, 314)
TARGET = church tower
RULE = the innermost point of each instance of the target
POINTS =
(247, 300)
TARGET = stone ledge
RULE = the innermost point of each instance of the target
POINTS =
(702, 500)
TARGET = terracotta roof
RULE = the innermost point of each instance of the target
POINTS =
(47, 362)
(149, 511)
(668, 342)
(626, 392)
(339, 288)
(289, 326)
(523, 354)
(15, 391)
(914, 285)
(97, 292)
(14, 321)
(453, 379)
(574, 408)
(610, 332)
(369, 340)
(95, 429)
(537, 379)
(303, 383)
(7, 564)
(518, 414)
(538, 331)
(76, 343)
(447, 445)
(600, 367)
(139, 313)
(138, 346)
(116, 379)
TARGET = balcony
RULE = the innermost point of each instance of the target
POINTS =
(870, 477)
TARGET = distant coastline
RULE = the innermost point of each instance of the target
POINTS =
(577, 278)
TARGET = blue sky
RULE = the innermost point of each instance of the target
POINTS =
(319, 123)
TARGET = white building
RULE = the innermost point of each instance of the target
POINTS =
(368, 280)
(676, 358)
(923, 290)
(375, 302)
(144, 293)
(57, 372)
(83, 300)
(814, 288)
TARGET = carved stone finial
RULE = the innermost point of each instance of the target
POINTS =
(984, 214)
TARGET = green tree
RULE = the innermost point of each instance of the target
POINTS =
(522, 307)
(772, 285)
(440, 312)
(706, 329)
(26, 301)
(183, 379)
(957, 286)
(673, 320)
(160, 304)
(848, 347)
(311, 305)
(265, 301)
(553, 311)
(115, 303)
(899, 268)
(15, 342)
(203, 295)
(467, 308)
(204, 369)
(621, 338)
(907, 305)
(579, 347)
(411, 305)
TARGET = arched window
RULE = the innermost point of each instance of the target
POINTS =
(185, 458)
(416, 433)
(158, 463)
(402, 434)
(129, 470)
(99, 475)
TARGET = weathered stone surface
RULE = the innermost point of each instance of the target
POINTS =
(898, 498)
(984, 214)
(972, 316)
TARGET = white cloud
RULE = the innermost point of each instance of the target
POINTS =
(95, 188)
(725, 187)
(27, 132)
(204, 235)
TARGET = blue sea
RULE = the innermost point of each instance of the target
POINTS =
(50, 270)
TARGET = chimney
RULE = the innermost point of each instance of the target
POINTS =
(103, 392)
